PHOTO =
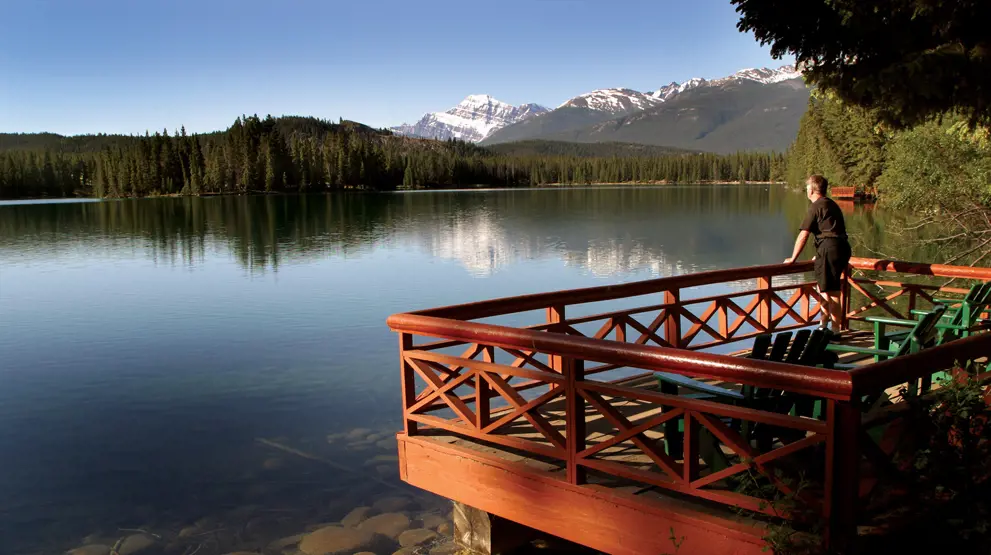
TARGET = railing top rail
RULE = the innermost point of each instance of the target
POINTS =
(799, 379)
(538, 301)
(898, 370)
(920, 268)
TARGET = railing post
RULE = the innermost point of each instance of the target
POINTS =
(408, 383)
(672, 324)
(764, 306)
(555, 315)
(842, 485)
(574, 372)
(845, 299)
(483, 392)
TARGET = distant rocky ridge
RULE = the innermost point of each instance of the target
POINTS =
(755, 108)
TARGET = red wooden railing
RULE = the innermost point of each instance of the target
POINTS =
(480, 381)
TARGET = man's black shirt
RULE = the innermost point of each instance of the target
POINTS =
(824, 220)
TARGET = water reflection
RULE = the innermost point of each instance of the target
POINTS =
(606, 231)
(147, 345)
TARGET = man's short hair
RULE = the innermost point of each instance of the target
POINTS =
(818, 184)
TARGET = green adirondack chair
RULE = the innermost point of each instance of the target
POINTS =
(924, 333)
(958, 322)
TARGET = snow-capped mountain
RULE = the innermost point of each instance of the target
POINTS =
(613, 101)
(668, 92)
(473, 119)
(753, 109)
(764, 76)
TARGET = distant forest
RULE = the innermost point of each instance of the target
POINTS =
(296, 154)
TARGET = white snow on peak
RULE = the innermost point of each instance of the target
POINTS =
(473, 119)
(669, 91)
(764, 76)
(614, 101)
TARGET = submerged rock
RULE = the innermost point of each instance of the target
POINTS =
(188, 531)
(358, 433)
(382, 459)
(334, 539)
(283, 543)
(446, 548)
(389, 444)
(357, 516)
(392, 504)
(387, 470)
(431, 522)
(135, 543)
(92, 549)
(415, 537)
(388, 524)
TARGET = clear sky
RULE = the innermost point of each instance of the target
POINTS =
(126, 66)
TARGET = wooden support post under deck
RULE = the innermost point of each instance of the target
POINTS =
(842, 473)
(483, 533)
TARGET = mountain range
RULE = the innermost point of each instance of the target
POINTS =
(753, 109)
(472, 120)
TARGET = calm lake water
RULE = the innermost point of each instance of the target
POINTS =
(147, 345)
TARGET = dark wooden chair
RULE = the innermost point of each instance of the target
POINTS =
(807, 349)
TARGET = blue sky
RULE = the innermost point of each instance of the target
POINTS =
(125, 66)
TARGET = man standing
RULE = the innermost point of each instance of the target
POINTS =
(824, 221)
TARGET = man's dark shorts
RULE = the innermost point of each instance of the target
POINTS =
(832, 258)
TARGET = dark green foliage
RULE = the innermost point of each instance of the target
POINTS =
(910, 60)
(844, 143)
(940, 171)
(306, 154)
(949, 459)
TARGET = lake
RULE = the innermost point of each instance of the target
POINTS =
(146, 346)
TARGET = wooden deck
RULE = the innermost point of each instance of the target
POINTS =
(533, 424)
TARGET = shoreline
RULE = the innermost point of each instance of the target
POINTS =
(400, 189)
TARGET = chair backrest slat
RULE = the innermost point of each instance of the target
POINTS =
(761, 344)
(798, 346)
(815, 349)
(780, 346)
(924, 332)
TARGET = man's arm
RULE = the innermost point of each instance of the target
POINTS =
(803, 236)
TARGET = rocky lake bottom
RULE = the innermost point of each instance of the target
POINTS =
(338, 495)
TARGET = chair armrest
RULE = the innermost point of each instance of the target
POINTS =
(858, 350)
(948, 314)
(892, 321)
(696, 385)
